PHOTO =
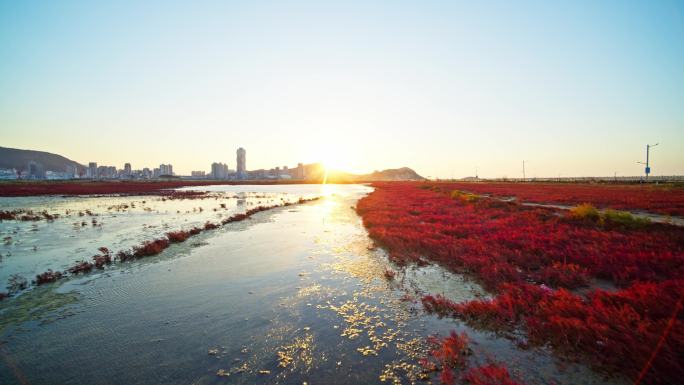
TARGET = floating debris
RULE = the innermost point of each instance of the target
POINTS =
(297, 354)
(367, 351)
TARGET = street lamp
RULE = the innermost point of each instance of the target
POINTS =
(648, 167)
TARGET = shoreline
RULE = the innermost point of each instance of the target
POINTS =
(98, 187)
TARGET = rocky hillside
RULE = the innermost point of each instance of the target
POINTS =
(16, 158)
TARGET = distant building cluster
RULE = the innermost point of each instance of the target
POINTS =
(284, 172)
(36, 170)
(219, 171)
(93, 171)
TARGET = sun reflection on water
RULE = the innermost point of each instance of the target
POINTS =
(328, 189)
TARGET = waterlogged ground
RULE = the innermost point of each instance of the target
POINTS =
(293, 295)
(83, 224)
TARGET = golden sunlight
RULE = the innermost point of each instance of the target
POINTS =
(331, 157)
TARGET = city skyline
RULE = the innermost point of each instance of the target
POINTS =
(222, 170)
(59, 167)
(444, 88)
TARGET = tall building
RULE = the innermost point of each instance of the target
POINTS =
(106, 172)
(36, 170)
(127, 169)
(241, 163)
(71, 171)
(91, 172)
(219, 170)
(165, 169)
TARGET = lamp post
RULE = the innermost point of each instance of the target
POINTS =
(647, 170)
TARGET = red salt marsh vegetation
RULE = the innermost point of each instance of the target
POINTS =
(118, 187)
(178, 236)
(451, 354)
(534, 259)
(48, 276)
(30, 188)
(666, 199)
(103, 259)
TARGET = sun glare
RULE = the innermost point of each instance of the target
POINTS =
(333, 159)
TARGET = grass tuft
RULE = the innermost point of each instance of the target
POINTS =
(585, 211)
(464, 197)
(624, 219)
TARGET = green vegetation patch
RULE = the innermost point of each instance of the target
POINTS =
(41, 304)
(608, 217)
(464, 197)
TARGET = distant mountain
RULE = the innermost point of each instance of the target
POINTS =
(19, 159)
(403, 173)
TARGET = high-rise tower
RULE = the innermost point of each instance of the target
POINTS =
(241, 163)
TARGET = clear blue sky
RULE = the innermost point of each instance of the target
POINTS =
(574, 88)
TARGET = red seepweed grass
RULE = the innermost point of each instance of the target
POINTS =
(178, 236)
(81, 267)
(118, 187)
(531, 257)
(490, 374)
(150, 248)
(662, 199)
(47, 277)
(450, 355)
(210, 226)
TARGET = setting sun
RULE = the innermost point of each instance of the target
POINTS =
(334, 161)
(334, 157)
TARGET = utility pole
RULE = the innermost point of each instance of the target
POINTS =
(476, 177)
(648, 167)
(524, 171)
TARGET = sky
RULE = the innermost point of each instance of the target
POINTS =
(445, 87)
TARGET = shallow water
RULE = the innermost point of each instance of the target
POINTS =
(295, 294)
(117, 222)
